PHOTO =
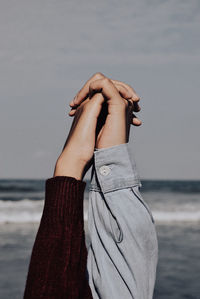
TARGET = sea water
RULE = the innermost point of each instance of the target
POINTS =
(175, 206)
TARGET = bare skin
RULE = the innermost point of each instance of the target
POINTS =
(126, 91)
(99, 92)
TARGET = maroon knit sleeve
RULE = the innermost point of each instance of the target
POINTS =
(58, 261)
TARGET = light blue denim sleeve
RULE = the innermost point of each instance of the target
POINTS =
(123, 250)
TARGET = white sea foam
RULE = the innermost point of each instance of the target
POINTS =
(28, 211)
(181, 216)
(23, 211)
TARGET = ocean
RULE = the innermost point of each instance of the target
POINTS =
(175, 206)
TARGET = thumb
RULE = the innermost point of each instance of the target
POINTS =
(95, 103)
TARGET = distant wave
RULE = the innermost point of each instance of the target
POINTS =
(181, 216)
(18, 196)
(175, 186)
(28, 211)
(12, 185)
(182, 186)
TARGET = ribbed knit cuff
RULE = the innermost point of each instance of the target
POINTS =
(63, 199)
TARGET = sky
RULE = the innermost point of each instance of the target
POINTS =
(48, 49)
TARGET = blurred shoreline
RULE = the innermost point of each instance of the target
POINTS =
(179, 252)
(22, 201)
(175, 206)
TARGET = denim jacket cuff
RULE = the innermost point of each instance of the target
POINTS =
(114, 168)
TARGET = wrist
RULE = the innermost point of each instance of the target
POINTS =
(120, 169)
(114, 131)
(69, 166)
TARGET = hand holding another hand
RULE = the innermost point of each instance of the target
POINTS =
(103, 111)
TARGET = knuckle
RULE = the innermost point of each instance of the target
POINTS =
(98, 75)
(136, 98)
(105, 81)
(130, 86)
(91, 86)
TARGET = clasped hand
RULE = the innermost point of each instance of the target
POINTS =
(103, 112)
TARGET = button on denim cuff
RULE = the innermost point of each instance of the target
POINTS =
(114, 168)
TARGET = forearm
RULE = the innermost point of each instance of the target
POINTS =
(114, 131)
(69, 165)
(58, 260)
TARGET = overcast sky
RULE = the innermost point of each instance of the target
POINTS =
(49, 48)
